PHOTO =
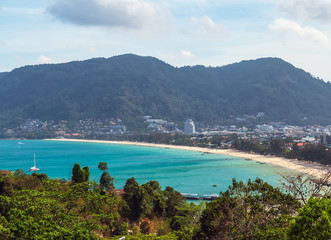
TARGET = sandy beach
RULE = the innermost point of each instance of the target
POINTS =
(314, 169)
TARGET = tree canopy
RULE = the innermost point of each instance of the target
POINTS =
(80, 175)
(37, 207)
(103, 166)
(244, 210)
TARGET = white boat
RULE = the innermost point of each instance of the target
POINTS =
(34, 168)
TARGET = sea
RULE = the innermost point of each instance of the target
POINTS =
(186, 171)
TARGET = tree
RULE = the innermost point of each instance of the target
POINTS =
(137, 199)
(40, 176)
(156, 197)
(106, 181)
(86, 172)
(103, 166)
(277, 146)
(302, 186)
(78, 175)
(187, 219)
(296, 151)
(276, 229)
(173, 200)
(313, 221)
(19, 173)
(314, 152)
(244, 210)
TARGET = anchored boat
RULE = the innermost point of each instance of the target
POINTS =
(34, 168)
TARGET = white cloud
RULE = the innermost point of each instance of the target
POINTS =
(307, 9)
(44, 59)
(205, 25)
(291, 27)
(208, 24)
(182, 57)
(186, 54)
(92, 50)
(133, 14)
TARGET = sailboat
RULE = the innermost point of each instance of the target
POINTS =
(34, 168)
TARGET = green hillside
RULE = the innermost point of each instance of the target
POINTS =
(129, 86)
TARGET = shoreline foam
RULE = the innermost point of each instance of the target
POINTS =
(313, 169)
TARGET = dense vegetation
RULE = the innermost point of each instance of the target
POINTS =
(36, 207)
(130, 86)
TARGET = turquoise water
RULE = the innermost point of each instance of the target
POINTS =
(186, 171)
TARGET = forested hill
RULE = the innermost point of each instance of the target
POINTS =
(2, 74)
(129, 86)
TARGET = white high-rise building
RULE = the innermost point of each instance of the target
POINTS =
(189, 127)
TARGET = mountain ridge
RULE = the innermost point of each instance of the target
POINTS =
(129, 86)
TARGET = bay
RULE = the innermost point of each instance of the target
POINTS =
(184, 170)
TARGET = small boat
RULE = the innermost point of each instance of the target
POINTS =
(34, 168)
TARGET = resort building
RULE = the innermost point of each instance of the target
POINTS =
(189, 127)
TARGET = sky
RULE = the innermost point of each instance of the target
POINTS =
(179, 32)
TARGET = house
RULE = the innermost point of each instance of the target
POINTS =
(119, 192)
(4, 173)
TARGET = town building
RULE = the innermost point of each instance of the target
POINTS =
(117, 129)
(325, 139)
(189, 127)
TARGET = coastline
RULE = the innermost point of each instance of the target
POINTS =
(313, 169)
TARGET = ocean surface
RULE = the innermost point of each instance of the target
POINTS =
(186, 171)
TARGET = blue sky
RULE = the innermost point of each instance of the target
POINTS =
(179, 32)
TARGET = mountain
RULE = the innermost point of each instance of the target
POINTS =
(129, 86)
(2, 74)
